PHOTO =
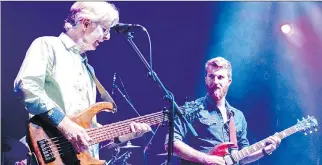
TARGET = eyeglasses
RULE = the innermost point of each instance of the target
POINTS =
(106, 30)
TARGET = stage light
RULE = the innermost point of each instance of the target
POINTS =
(286, 29)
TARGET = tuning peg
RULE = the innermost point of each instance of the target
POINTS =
(298, 120)
(303, 118)
(305, 133)
(315, 129)
(311, 132)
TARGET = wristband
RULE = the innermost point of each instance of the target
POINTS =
(53, 116)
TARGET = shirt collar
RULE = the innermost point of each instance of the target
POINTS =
(210, 105)
(69, 43)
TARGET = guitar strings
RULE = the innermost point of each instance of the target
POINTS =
(117, 123)
(261, 144)
(104, 129)
(70, 147)
(93, 131)
(110, 129)
(126, 121)
(107, 129)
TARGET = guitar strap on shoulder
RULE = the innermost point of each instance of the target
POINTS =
(232, 131)
(103, 92)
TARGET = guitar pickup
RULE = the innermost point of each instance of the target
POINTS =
(46, 151)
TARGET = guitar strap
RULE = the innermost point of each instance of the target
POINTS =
(232, 130)
(104, 94)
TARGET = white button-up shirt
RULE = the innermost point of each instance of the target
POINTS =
(53, 75)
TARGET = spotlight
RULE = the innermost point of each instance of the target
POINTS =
(286, 29)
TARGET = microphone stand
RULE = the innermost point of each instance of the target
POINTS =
(147, 146)
(130, 103)
(168, 95)
(127, 100)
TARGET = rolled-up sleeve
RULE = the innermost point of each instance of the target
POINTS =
(243, 141)
(29, 84)
(180, 131)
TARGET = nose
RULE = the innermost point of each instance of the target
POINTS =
(107, 36)
(216, 81)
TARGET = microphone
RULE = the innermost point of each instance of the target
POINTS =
(123, 27)
(113, 86)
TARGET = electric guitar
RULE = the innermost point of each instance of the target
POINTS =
(50, 147)
(223, 149)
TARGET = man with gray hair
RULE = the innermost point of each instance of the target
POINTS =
(211, 115)
(54, 80)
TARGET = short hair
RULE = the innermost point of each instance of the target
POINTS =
(95, 11)
(220, 63)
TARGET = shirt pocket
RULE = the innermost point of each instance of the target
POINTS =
(208, 121)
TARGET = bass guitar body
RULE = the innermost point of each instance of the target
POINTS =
(50, 147)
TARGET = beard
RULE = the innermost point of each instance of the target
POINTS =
(217, 93)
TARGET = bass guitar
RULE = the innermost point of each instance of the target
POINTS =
(50, 147)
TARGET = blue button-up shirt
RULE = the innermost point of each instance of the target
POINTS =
(207, 120)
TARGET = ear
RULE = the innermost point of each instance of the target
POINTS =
(206, 78)
(85, 23)
(230, 80)
(206, 75)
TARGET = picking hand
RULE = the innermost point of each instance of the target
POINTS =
(213, 160)
(75, 134)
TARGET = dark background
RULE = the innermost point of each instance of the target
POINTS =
(276, 77)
